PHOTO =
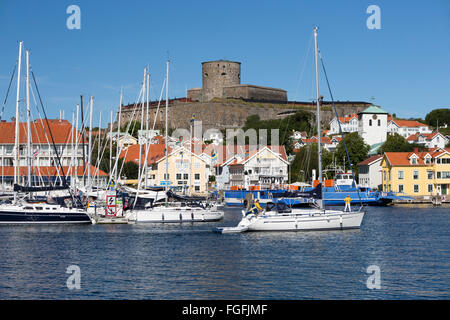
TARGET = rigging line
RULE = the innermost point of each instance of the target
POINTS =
(305, 58)
(7, 92)
(340, 128)
(45, 133)
(153, 128)
(115, 170)
(51, 135)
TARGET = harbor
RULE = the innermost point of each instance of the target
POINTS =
(165, 152)
(188, 261)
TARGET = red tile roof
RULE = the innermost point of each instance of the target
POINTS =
(155, 153)
(348, 118)
(403, 158)
(50, 171)
(61, 131)
(408, 123)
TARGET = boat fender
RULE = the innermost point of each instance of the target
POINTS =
(162, 217)
(243, 213)
(203, 217)
(340, 221)
(181, 217)
(192, 216)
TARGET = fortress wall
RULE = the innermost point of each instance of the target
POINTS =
(228, 114)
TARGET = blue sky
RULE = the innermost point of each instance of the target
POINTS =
(404, 67)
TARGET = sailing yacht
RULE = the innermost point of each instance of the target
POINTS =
(181, 208)
(24, 208)
(280, 217)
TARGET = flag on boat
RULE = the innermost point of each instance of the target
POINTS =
(214, 156)
(35, 153)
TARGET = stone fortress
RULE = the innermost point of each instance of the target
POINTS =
(223, 102)
(222, 79)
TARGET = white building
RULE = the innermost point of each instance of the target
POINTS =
(297, 135)
(266, 167)
(123, 139)
(372, 125)
(430, 140)
(406, 128)
(370, 172)
(348, 124)
(143, 135)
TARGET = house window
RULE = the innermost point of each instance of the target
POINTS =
(430, 188)
(385, 175)
(416, 188)
(413, 161)
(400, 188)
(427, 160)
(370, 122)
(197, 188)
(185, 176)
(166, 176)
(379, 122)
(416, 175)
(197, 176)
(178, 176)
(401, 175)
(430, 174)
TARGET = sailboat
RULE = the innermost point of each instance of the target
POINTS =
(24, 208)
(280, 217)
(182, 208)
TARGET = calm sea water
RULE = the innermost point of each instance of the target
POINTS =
(410, 245)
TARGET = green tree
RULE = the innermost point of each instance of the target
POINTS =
(358, 150)
(397, 143)
(306, 160)
(300, 121)
(133, 129)
(130, 170)
(438, 116)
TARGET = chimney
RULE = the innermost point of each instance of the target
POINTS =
(416, 150)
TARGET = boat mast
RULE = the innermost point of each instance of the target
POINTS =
(28, 119)
(110, 142)
(17, 164)
(118, 135)
(76, 149)
(72, 158)
(166, 149)
(99, 153)
(146, 131)
(319, 144)
(142, 126)
(90, 144)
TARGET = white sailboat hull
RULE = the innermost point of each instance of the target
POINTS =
(179, 214)
(307, 220)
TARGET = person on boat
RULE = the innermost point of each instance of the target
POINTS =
(347, 203)
(256, 208)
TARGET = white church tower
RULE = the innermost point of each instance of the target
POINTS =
(372, 125)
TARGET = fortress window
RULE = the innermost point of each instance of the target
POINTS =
(224, 74)
(206, 74)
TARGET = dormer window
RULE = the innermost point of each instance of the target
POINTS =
(413, 160)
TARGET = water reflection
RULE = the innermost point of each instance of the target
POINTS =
(188, 261)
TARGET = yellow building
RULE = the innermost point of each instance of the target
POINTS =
(187, 171)
(417, 174)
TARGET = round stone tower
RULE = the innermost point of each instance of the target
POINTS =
(219, 74)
